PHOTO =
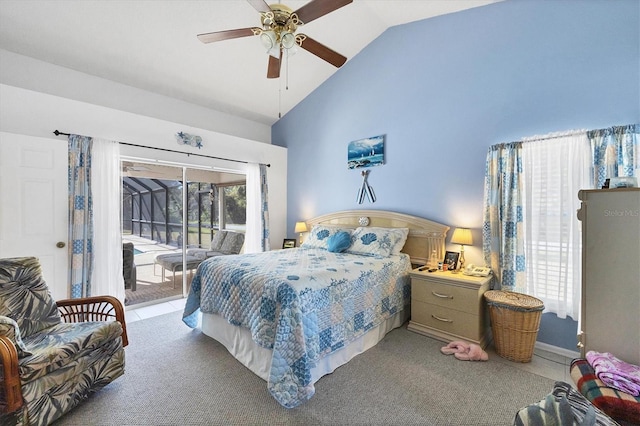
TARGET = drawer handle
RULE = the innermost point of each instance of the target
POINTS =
(442, 296)
(440, 319)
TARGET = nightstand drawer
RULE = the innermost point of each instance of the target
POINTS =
(447, 320)
(448, 296)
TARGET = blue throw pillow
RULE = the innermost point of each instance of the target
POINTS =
(339, 242)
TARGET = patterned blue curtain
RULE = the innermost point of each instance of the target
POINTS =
(80, 216)
(502, 232)
(615, 152)
(264, 208)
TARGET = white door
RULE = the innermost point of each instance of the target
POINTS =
(33, 204)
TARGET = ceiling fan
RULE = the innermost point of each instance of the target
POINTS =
(278, 32)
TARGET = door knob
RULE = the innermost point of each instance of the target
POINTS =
(60, 244)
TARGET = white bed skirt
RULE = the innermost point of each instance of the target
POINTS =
(238, 342)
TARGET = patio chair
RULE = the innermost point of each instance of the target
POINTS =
(53, 354)
(223, 242)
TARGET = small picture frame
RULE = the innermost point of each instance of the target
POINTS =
(288, 243)
(450, 260)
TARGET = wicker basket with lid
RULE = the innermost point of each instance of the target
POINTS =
(515, 320)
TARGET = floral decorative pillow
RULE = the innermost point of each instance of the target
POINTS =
(320, 234)
(374, 241)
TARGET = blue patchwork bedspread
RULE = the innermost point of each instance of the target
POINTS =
(301, 303)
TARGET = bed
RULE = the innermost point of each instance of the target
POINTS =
(292, 316)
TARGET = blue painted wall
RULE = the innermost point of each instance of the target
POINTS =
(444, 89)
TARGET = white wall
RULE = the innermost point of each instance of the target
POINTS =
(28, 73)
(37, 115)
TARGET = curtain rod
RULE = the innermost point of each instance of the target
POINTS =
(553, 135)
(58, 133)
(539, 138)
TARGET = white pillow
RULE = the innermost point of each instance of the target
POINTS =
(319, 235)
(374, 241)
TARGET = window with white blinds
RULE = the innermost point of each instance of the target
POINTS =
(554, 170)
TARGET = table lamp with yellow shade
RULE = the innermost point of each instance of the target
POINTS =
(301, 227)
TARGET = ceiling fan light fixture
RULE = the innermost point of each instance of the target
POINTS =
(288, 40)
(269, 39)
(277, 34)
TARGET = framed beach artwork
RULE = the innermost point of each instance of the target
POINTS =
(367, 152)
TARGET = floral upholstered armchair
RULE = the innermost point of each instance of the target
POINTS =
(53, 354)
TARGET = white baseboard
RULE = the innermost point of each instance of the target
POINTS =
(557, 350)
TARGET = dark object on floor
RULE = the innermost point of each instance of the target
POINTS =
(563, 406)
(129, 266)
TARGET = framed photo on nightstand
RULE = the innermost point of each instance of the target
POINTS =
(451, 260)
(288, 243)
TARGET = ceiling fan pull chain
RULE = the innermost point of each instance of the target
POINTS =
(287, 72)
(279, 99)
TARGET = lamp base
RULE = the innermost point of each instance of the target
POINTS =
(461, 262)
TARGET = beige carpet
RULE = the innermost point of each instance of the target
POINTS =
(177, 376)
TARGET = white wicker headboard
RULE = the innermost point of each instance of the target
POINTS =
(424, 235)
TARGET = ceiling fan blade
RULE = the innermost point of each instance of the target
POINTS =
(273, 70)
(225, 35)
(260, 5)
(317, 8)
(323, 52)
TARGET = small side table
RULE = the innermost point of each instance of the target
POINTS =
(449, 306)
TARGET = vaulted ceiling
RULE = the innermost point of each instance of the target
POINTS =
(152, 45)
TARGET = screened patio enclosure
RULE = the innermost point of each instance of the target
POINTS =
(152, 208)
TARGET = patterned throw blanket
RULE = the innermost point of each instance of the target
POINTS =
(615, 373)
(301, 303)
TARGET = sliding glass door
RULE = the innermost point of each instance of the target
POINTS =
(158, 210)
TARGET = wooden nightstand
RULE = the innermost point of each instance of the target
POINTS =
(449, 306)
